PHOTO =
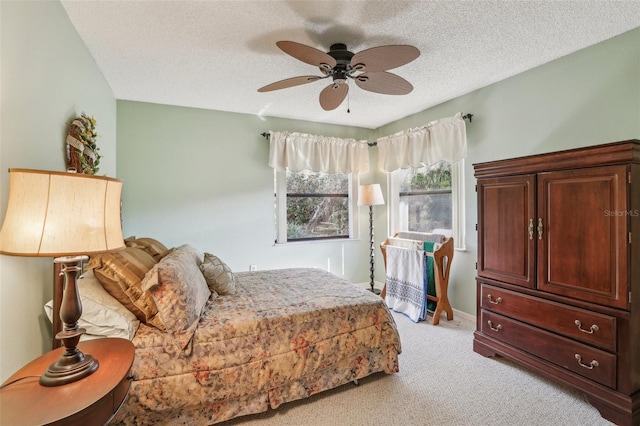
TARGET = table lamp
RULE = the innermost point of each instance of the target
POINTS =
(66, 216)
(371, 195)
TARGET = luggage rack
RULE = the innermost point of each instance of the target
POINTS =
(442, 258)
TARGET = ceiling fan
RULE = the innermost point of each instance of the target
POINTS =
(367, 68)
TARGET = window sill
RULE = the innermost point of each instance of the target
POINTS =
(328, 241)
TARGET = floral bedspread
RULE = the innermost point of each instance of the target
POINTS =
(284, 335)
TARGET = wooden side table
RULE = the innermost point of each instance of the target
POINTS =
(93, 400)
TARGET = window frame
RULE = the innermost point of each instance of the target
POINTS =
(457, 204)
(280, 201)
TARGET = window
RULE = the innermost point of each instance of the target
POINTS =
(314, 206)
(428, 199)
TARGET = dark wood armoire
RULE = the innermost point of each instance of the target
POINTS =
(558, 273)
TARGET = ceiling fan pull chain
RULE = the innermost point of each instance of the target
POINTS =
(348, 110)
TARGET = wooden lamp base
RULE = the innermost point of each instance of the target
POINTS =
(72, 365)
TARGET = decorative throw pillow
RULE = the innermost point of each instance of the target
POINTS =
(121, 274)
(180, 293)
(191, 252)
(154, 247)
(102, 314)
(218, 275)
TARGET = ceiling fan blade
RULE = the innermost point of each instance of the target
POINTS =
(333, 95)
(384, 82)
(384, 58)
(289, 82)
(307, 54)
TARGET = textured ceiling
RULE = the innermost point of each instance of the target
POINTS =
(216, 54)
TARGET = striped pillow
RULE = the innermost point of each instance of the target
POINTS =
(154, 247)
(121, 274)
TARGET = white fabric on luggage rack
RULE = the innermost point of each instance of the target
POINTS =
(405, 281)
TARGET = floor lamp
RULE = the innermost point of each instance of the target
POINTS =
(66, 216)
(371, 195)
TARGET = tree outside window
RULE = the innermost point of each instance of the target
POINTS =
(316, 205)
(426, 197)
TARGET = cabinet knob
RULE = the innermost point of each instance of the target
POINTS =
(591, 329)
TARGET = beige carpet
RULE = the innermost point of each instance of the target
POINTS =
(441, 382)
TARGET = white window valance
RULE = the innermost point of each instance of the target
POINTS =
(440, 140)
(300, 151)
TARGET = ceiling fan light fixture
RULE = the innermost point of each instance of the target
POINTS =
(340, 75)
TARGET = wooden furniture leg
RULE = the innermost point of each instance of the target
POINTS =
(442, 265)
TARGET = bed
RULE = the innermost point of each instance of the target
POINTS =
(216, 345)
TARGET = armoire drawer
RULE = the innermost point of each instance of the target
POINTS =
(589, 362)
(586, 326)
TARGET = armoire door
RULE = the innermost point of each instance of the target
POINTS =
(506, 229)
(582, 245)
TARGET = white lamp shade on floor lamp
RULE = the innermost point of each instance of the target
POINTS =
(370, 195)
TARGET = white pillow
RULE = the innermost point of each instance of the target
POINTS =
(102, 314)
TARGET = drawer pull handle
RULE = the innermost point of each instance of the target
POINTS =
(497, 328)
(495, 302)
(592, 364)
(531, 229)
(591, 329)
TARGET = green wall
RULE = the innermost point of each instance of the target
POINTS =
(201, 177)
(48, 77)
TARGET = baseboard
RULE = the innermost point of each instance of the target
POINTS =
(463, 315)
(457, 315)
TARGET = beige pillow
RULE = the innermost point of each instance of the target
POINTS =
(154, 247)
(121, 274)
(218, 275)
(180, 292)
(191, 252)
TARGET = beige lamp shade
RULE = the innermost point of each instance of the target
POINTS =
(52, 214)
(370, 195)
